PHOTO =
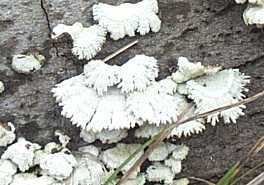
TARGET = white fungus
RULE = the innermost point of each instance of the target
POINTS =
(87, 41)
(254, 15)
(92, 112)
(58, 165)
(2, 87)
(101, 76)
(175, 165)
(214, 91)
(182, 181)
(188, 70)
(7, 171)
(128, 18)
(89, 170)
(240, 1)
(158, 172)
(139, 180)
(31, 179)
(7, 133)
(113, 157)
(138, 73)
(21, 153)
(161, 152)
(27, 64)
(155, 106)
(105, 136)
(91, 149)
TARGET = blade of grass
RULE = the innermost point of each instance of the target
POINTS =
(233, 172)
(168, 129)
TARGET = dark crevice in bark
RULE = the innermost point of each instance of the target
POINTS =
(42, 2)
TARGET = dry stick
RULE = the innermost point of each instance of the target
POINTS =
(201, 180)
(169, 128)
(120, 51)
(258, 180)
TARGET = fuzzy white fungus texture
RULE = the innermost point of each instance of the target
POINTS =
(254, 15)
(159, 173)
(7, 171)
(101, 76)
(2, 87)
(188, 70)
(97, 100)
(113, 157)
(7, 133)
(58, 165)
(89, 170)
(105, 136)
(27, 64)
(31, 179)
(127, 18)
(214, 91)
(138, 73)
(21, 153)
(87, 41)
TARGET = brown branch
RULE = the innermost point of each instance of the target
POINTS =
(180, 121)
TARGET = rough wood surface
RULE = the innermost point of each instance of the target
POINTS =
(207, 31)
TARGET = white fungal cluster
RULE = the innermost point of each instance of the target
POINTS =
(27, 64)
(254, 13)
(105, 98)
(2, 87)
(119, 21)
(87, 41)
(127, 18)
(7, 133)
(26, 163)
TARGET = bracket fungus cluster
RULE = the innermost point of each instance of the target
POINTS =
(119, 21)
(106, 101)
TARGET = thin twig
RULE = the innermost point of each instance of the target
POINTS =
(168, 129)
(258, 180)
(120, 51)
(247, 173)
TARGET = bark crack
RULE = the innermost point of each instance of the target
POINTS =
(42, 5)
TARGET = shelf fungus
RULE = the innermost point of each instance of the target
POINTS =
(162, 151)
(21, 153)
(89, 170)
(254, 14)
(101, 76)
(7, 171)
(113, 157)
(214, 91)
(128, 18)
(97, 99)
(7, 133)
(31, 179)
(138, 73)
(58, 165)
(87, 41)
(155, 106)
(27, 64)
(105, 136)
(154, 171)
(188, 70)
(2, 87)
